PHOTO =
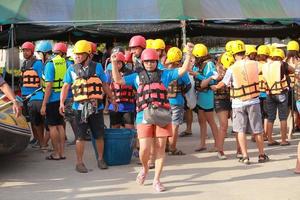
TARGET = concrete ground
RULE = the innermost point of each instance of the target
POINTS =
(194, 176)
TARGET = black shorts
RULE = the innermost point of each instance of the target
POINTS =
(222, 105)
(205, 110)
(52, 114)
(263, 108)
(95, 122)
(35, 112)
(25, 111)
(121, 118)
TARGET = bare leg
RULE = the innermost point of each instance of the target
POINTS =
(223, 126)
(297, 170)
(243, 143)
(260, 143)
(270, 132)
(160, 157)
(79, 150)
(100, 147)
(61, 132)
(55, 140)
(173, 139)
(145, 148)
(203, 128)
(213, 126)
(189, 120)
(283, 131)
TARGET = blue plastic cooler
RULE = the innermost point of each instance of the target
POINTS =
(118, 146)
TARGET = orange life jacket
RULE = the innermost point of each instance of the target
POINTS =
(30, 77)
(245, 84)
(87, 85)
(151, 91)
(272, 77)
(123, 93)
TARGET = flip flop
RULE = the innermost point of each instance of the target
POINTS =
(63, 157)
(285, 144)
(50, 157)
(200, 149)
(275, 143)
(185, 134)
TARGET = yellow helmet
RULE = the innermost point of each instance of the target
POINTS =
(228, 46)
(82, 46)
(278, 53)
(227, 60)
(263, 50)
(250, 49)
(174, 55)
(158, 44)
(149, 43)
(293, 46)
(200, 50)
(237, 46)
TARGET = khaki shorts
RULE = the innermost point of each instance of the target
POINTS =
(247, 119)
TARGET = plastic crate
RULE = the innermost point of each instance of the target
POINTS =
(118, 146)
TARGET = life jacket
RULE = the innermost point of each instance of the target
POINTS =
(87, 85)
(174, 88)
(245, 85)
(262, 86)
(297, 82)
(60, 69)
(294, 62)
(30, 77)
(222, 93)
(272, 76)
(197, 81)
(123, 93)
(151, 91)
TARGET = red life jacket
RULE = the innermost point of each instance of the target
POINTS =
(123, 93)
(30, 77)
(151, 91)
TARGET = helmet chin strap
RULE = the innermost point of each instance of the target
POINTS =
(84, 61)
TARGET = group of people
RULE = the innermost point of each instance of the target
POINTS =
(149, 88)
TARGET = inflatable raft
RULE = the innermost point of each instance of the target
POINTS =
(14, 132)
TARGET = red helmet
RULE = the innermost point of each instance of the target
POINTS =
(120, 57)
(149, 54)
(28, 45)
(94, 48)
(60, 46)
(137, 41)
(128, 57)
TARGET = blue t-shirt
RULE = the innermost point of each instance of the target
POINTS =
(71, 76)
(122, 107)
(205, 99)
(70, 94)
(49, 74)
(166, 77)
(38, 68)
(179, 99)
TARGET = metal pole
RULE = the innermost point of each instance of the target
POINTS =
(12, 56)
(183, 31)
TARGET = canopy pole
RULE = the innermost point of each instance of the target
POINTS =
(183, 32)
(12, 56)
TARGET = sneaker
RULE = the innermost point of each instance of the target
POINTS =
(158, 186)
(263, 158)
(36, 145)
(33, 141)
(221, 155)
(102, 164)
(81, 168)
(245, 160)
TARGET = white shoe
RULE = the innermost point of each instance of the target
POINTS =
(221, 155)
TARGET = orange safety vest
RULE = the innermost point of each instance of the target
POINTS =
(272, 76)
(245, 84)
(151, 91)
(30, 77)
(87, 85)
(293, 62)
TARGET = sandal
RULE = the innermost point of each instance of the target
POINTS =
(158, 186)
(184, 134)
(51, 157)
(285, 144)
(200, 149)
(141, 177)
(245, 160)
(275, 143)
(263, 158)
(176, 152)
